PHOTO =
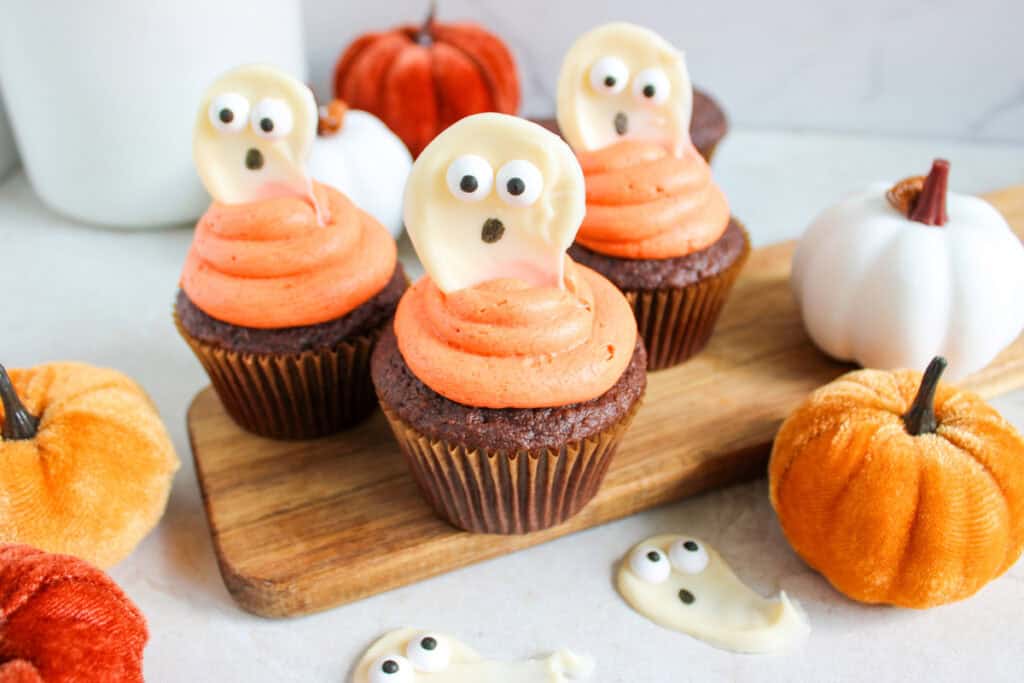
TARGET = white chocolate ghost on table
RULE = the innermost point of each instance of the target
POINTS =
(253, 133)
(622, 81)
(682, 584)
(411, 656)
(494, 196)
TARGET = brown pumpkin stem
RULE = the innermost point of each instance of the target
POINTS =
(18, 422)
(920, 419)
(425, 36)
(332, 118)
(923, 198)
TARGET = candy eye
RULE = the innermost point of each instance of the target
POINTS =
(469, 178)
(272, 118)
(429, 652)
(651, 85)
(229, 112)
(688, 556)
(650, 564)
(392, 669)
(609, 75)
(520, 183)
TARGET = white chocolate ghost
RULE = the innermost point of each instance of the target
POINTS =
(253, 133)
(411, 656)
(494, 196)
(682, 584)
(623, 81)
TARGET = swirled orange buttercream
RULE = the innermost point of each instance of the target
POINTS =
(507, 344)
(646, 203)
(270, 264)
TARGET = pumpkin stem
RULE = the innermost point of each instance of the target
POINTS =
(930, 206)
(920, 419)
(18, 422)
(425, 36)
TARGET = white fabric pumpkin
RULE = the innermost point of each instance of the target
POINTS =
(366, 162)
(887, 292)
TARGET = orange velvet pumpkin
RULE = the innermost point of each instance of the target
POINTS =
(85, 462)
(900, 490)
(421, 79)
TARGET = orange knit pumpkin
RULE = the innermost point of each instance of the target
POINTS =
(421, 79)
(900, 490)
(85, 462)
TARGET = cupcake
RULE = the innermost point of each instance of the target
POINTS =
(511, 372)
(656, 224)
(287, 285)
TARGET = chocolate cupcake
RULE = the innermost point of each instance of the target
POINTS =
(287, 285)
(657, 225)
(511, 373)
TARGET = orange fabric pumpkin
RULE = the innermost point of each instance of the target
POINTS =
(64, 621)
(85, 462)
(421, 79)
(900, 490)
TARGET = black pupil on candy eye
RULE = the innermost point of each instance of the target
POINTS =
(226, 115)
(654, 556)
(267, 124)
(428, 644)
(389, 667)
(515, 186)
(649, 91)
(691, 546)
(686, 596)
(468, 183)
(609, 81)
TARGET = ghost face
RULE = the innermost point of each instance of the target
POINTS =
(410, 656)
(623, 81)
(252, 136)
(492, 197)
(683, 584)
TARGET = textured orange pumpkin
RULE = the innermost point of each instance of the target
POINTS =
(421, 79)
(85, 462)
(900, 490)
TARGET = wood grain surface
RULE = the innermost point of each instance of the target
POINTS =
(300, 527)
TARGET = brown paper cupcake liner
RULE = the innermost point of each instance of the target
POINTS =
(676, 324)
(496, 492)
(292, 396)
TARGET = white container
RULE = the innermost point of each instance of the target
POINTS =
(102, 96)
(8, 155)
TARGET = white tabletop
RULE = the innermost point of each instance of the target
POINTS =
(76, 292)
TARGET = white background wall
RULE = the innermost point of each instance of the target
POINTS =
(934, 68)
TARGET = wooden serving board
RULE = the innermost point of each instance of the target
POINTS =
(302, 527)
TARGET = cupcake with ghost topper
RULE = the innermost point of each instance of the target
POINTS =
(896, 274)
(657, 225)
(287, 284)
(511, 372)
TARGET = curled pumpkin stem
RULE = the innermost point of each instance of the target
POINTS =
(920, 419)
(923, 198)
(19, 424)
(332, 118)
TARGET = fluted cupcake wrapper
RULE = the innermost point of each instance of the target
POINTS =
(496, 492)
(676, 324)
(292, 396)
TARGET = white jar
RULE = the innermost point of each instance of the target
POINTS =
(102, 96)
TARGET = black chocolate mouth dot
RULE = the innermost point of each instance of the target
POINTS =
(254, 159)
(621, 123)
(492, 231)
(691, 546)
(686, 596)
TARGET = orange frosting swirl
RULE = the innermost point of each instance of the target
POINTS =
(646, 203)
(506, 344)
(271, 264)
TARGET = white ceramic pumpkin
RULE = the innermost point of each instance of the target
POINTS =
(360, 156)
(887, 291)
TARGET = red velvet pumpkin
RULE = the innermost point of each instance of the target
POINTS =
(421, 79)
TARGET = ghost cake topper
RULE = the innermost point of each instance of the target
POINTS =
(253, 133)
(683, 584)
(411, 656)
(622, 81)
(492, 197)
